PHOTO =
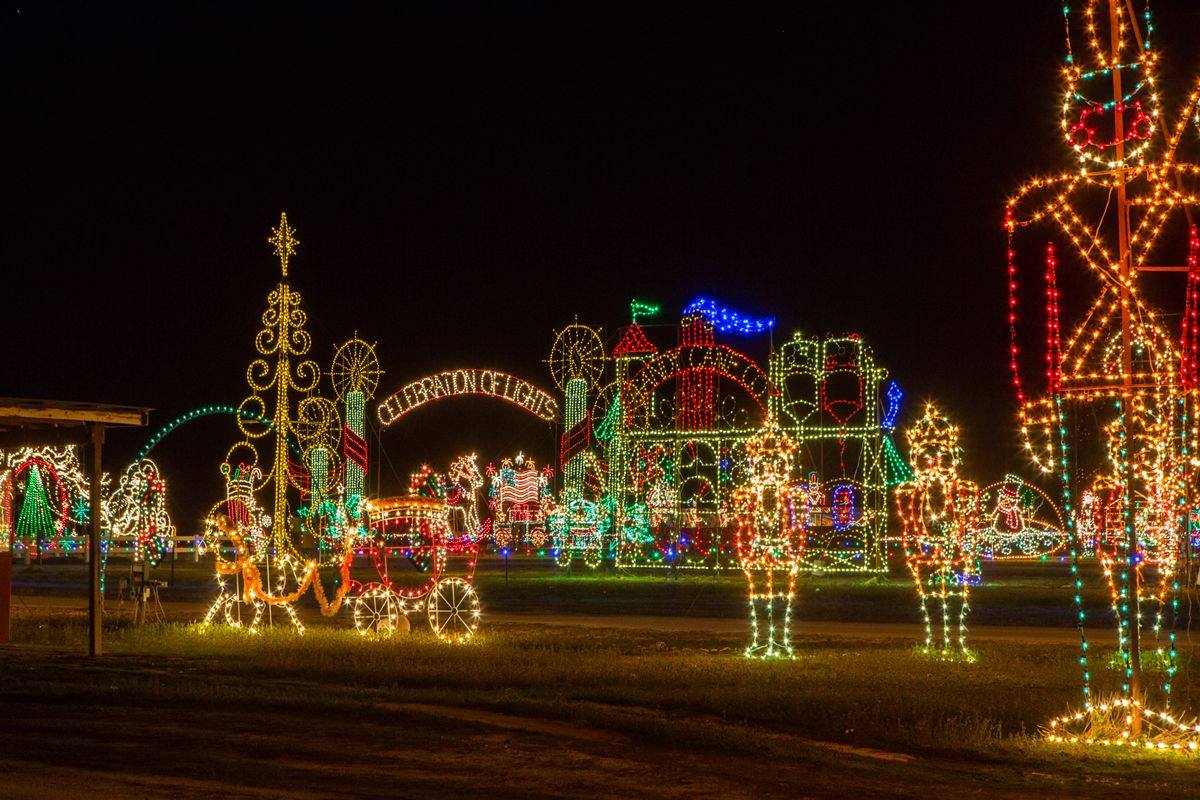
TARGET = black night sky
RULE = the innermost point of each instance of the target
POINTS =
(466, 178)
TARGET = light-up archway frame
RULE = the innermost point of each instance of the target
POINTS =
(681, 463)
(466, 382)
(714, 359)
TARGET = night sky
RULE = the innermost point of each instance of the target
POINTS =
(467, 178)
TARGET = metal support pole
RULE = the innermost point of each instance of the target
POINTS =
(95, 601)
(1126, 273)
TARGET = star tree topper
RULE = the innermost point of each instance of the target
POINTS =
(284, 242)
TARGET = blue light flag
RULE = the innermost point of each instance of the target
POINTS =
(726, 320)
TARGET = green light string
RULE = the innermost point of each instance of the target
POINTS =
(1123, 616)
(197, 413)
(1076, 547)
(640, 308)
(1172, 654)
(898, 469)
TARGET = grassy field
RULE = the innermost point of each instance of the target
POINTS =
(541, 712)
(1012, 593)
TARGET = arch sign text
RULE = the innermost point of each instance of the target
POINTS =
(452, 383)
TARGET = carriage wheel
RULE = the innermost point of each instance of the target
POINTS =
(231, 607)
(453, 610)
(378, 611)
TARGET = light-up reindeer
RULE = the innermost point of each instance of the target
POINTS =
(937, 509)
(462, 498)
(771, 515)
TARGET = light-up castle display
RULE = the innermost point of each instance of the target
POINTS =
(671, 423)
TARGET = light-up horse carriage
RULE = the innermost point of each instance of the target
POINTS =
(423, 548)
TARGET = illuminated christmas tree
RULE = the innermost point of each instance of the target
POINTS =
(36, 518)
(305, 429)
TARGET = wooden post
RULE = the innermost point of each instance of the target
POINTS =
(95, 601)
(6, 561)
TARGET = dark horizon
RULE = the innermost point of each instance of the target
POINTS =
(465, 182)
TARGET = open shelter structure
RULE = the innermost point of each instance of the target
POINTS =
(25, 422)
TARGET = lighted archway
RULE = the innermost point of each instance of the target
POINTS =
(719, 359)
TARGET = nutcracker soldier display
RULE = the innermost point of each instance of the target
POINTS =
(1116, 424)
(937, 508)
(771, 515)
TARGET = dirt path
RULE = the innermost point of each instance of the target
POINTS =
(71, 737)
(126, 728)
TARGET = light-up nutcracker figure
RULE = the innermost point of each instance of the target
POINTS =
(771, 515)
(1121, 207)
(937, 509)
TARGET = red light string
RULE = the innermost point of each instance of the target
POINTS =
(1053, 333)
(1189, 373)
(1013, 349)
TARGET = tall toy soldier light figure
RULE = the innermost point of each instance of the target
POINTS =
(772, 524)
(937, 509)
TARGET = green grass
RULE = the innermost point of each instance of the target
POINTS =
(1012, 594)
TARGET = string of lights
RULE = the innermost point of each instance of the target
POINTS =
(726, 320)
